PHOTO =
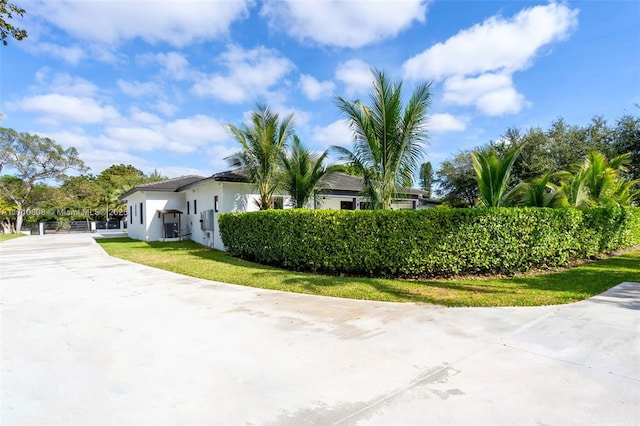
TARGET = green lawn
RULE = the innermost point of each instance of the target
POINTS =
(570, 285)
(5, 237)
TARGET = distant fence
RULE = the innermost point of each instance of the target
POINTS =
(67, 227)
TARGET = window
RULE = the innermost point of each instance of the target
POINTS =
(188, 205)
(215, 203)
(195, 206)
(346, 205)
(141, 216)
(278, 202)
(131, 215)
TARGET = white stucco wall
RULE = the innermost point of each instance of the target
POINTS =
(152, 201)
(159, 201)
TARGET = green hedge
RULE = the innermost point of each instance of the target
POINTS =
(425, 243)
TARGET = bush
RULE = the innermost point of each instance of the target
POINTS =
(426, 243)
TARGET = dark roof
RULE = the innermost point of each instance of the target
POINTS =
(169, 185)
(344, 182)
(332, 182)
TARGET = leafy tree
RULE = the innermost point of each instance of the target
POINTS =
(456, 178)
(302, 172)
(35, 159)
(493, 174)
(388, 137)
(426, 177)
(263, 141)
(626, 139)
(7, 10)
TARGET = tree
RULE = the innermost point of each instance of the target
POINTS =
(539, 192)
(598, 182)
(388, 137)
(118, 179)
(457, 185)
(302, 172)
(35, 159)
(263, 141)
(7, 10)
(426, 178)
(626, 139)
(493, 175)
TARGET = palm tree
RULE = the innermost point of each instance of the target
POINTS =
(538, 192)
(494, 175)
(388, 137)
(597, 182)
(302, 171)
(263, 142)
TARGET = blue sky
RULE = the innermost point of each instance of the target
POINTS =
(153, 83)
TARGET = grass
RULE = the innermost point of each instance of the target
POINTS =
(571, 285)
(5, 237)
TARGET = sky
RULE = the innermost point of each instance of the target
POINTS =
(154, 83)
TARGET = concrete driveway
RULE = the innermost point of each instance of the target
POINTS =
(89, 339)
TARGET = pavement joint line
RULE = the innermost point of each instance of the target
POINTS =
(636, 379)
(402, 389)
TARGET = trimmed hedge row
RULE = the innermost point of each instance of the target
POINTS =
(426, 243)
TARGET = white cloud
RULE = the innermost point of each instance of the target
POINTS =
(441, 123)
(217, 154)
(336, 133)
(187, 134)
(137, 88)
(177, 23)
(250, 73)
(343, 23)
(314, 89)
(482, 59)
(165, 108)
(174, 64)
(65, 84)
(356, 76)
(492, 94)
(180, 136)
(68, 109)
(144, 117)
(71, 54)
(174, 171)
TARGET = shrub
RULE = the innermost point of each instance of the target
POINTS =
(425, 243)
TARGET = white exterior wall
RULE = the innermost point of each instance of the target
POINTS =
(158, 201)
(152, 201)
(134, 229)
(332, 202)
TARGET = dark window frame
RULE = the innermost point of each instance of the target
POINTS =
(141, 215)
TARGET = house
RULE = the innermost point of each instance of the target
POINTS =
(188, 206)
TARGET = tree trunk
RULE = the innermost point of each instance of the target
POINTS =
(19, 217)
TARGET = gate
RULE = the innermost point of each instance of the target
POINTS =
(64, 227)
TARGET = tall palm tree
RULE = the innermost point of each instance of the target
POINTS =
(302, 171)
(538, 192)
(263, 142)
(388, 137)
(494, 175)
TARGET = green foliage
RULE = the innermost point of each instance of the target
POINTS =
(456, 178)
(263, 143)
(388, 137)
(598, 182)
(35, 159)
(426, 178)
(302, 171)
(539, 192)
(493, 174)
(424, 243)
(7, 10)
